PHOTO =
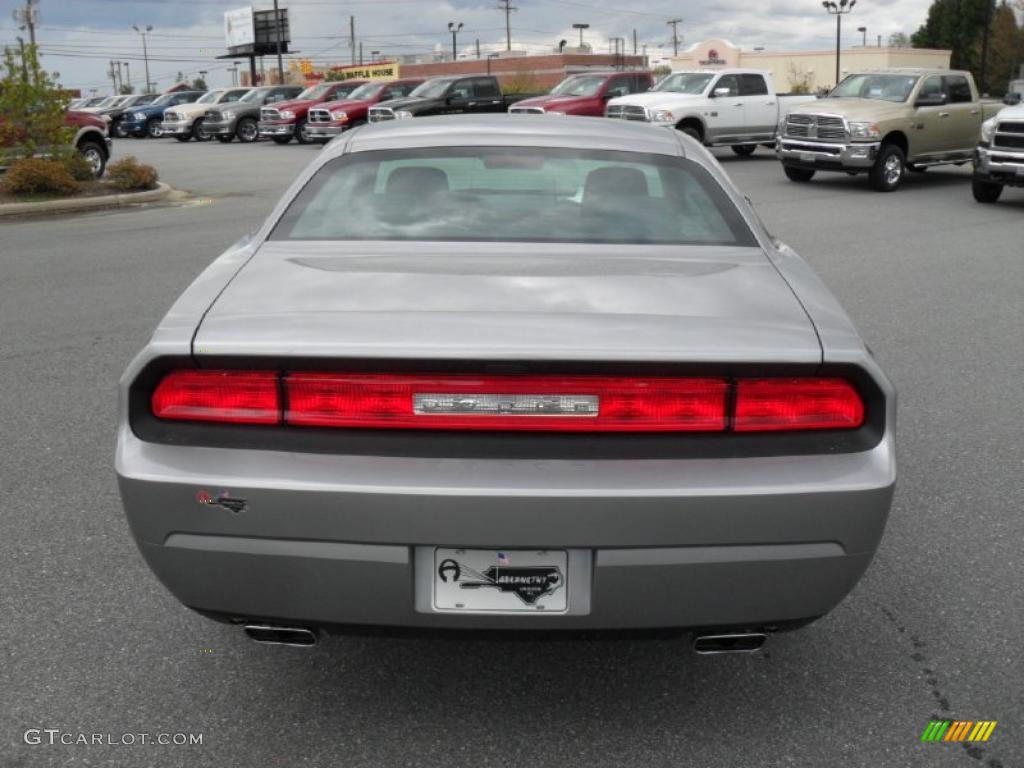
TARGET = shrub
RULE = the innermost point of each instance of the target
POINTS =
(77, 166)
(37, 175)
(129, 174)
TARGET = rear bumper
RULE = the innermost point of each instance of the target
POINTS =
(826, 156)
(349, 540)
(1000, 166)
(277, 129)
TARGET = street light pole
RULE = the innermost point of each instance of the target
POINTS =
(838, 10)
(864, 36)
(581, 27)
(454, 29)
(145, 52)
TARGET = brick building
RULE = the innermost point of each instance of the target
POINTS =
(527, 73)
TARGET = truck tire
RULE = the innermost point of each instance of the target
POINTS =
(282, 139)
(300, 132)
(95, 154)
(198, 132)
(182, 137)
(798, 174)
(154, 128)
(889, 169)
(225, 139)
(247, 131)
(692, 132)
(744, 150)
(986, 191)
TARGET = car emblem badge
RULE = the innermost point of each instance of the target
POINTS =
(529, 583)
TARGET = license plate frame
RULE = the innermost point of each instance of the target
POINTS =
(500, 581)
(808, 157)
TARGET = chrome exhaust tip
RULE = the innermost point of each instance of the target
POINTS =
(276, 635)
(731, 642)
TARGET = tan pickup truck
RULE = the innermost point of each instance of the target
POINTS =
(885, 123)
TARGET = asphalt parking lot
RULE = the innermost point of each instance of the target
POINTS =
(93, 644)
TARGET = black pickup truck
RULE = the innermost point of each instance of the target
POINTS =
(448, 96)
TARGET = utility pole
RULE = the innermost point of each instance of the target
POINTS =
(674, 23)
(352, 36)
(360, 53)
(24, 61)
(27, 18)
(127, 74)
(277, 40)
(478, 47)
(508, 8)
(113, 75)
(145, 52)
(634, 41)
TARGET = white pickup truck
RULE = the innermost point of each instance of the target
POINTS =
(722, 107)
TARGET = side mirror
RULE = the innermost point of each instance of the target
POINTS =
(721, 92)
(1012, 99)
(931, 101)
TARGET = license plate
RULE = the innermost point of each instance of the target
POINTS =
(808, 157)
(501, 580)
(1020, 171)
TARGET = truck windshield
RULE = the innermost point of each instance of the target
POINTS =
(579, 85)
(210, 98)
(163, 99)
(314, 91)
(685, 82)
(254, 95)
(367, 91)
(514, 194)
(431, 89)
(895, 88)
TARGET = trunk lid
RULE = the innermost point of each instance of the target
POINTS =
(523, 301)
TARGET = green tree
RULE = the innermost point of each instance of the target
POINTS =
(1005, 49)
(127, 89)
(199, 84)
(957, 25)
(32, 107)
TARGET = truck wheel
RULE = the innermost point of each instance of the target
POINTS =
(199, 133)
(225, 139)
(95, 155)
(154, 128)
(889, 169)
(302, 132)
(282, 139)
(118, 130)
(986, 191)
(798, 174)
(744, 150)
(247, 130)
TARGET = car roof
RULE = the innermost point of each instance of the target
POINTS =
(510, 131)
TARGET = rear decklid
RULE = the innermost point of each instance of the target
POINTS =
(525, 302)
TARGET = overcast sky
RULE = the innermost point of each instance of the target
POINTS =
(79, 37)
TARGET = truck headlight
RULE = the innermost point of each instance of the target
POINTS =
(287, 114)
(138, 117)
(403, 114)
(662, 116)
(865, 131)
(341, 116)
(988, 129)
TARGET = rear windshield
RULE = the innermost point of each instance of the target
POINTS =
(521, 194)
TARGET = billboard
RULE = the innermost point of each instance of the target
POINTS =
(239, 27)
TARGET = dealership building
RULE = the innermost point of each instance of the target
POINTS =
(815, 69)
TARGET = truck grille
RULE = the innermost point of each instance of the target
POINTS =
(627, 112)
(526, 111)
(379, 114)
(269, 113)
(213, 117)
(318, 115)
(172, 117)
(824, 127)
(1009, 135)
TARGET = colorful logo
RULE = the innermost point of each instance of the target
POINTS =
(958, 730)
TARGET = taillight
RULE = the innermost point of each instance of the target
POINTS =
(240, 397)
(764, 405)
(549, 403)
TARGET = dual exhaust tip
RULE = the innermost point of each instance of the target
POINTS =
(705, 645)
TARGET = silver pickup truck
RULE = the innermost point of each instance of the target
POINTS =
(999, 158)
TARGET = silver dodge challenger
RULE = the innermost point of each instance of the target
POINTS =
(491, 373)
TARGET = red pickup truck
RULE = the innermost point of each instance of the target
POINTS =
(330, 119)
(585, 94)
(285, 120)
(90, 139)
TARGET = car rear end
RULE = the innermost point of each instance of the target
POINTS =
(505, 435)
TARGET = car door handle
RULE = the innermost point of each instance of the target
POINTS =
(471, 104)
(738, 104)
(975, 111)
(943, 114)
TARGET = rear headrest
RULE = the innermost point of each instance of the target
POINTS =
(614, 183)
(417, 180)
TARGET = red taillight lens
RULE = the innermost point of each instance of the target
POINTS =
(548, 403)
(764, 405)
(240, 397)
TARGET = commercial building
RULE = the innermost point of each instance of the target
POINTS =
(813, 70)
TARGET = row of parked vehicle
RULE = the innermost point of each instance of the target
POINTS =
(884, 124)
